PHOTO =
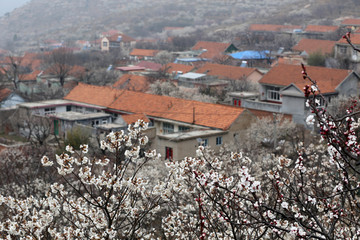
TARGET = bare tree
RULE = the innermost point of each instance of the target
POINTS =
(37, 129)
(60, 61)
(12, 69)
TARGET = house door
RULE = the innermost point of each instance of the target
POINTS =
(56, 127)
(168, 153)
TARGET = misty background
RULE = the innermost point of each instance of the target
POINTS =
(7, 6)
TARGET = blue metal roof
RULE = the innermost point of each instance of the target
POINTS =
(251, 54)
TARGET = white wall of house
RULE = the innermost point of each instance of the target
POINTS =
(11, 101)
(49, 110)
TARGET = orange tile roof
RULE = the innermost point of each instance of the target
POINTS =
(315, 45)
(226, 71)
(170, 67)
(355, 39)
(100, 96)
(124, 38)
(149, 65)
(4, 93)
(272, 27)
(213, 49)
(351, 22)
(132, 82)
(206, 114)
(321, 28)
(30, 76)
(283, 75)
(144, 52)
(132, 118)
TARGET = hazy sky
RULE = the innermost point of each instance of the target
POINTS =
(9, 5)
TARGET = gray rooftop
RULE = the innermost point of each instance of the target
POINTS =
(112, 126)
(181, 136)
(192, 75)
(56, 102)
(244, 94)
(45, 103)
(76, 116)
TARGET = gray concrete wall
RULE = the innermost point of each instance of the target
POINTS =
(265, 106)
(350, 87)
(293, 105)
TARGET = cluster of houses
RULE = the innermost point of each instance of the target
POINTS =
(179, 126)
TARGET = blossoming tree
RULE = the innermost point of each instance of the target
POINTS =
(315, 195)
(93, 198)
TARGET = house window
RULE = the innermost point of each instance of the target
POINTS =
(168, 128)
(273, 93)
(168, 153)
(218, 140)
(355, 55)
(342, 49)
(205, 142)
(151, 123)
(49, 111)
(95, 123)
(104, 121)
(114, 44)
(68, 108)
(183, 129)
(78, 109)
(321, 101)
(105, 44)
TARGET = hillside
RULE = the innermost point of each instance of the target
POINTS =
(86, 19)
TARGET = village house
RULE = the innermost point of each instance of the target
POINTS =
(213, 50)
(305, 47)
(344, 50)
(281, 89)
(117, 42)
(64, 115)
(174, 69)
(177, 126)
(143, 54)
(149, 66)
(228, 72)
(253, 58)
(350, 24)
(9, 98)
(320, 31)
(28, 81)
(200, 80)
